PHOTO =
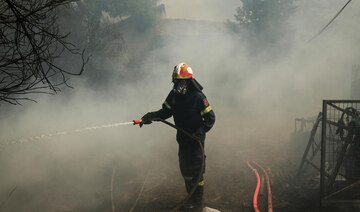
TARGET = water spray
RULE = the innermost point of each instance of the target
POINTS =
(45, 136)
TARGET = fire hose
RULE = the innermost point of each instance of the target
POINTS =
(179, 205)
(256, 193)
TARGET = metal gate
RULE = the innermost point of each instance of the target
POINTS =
(312, 148)
(340, 152)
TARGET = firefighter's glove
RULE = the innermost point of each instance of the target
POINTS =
(198, 134)
(146, 119)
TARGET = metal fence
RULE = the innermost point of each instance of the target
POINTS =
(311, 156)
(340, 152)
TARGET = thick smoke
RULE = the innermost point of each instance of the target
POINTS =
(210, 10)
(254, 96)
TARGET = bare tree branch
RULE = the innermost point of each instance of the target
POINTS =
(30, 46)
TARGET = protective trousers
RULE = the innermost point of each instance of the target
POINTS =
(190, 160)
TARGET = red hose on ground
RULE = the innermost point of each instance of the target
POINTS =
(270, 207)
(256, 194)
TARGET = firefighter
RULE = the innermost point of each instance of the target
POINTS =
(191, 112)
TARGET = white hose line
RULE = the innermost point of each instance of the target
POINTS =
(44, 136)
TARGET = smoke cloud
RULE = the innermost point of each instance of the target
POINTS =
(255, 98)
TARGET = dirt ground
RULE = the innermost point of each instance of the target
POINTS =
(75, 172)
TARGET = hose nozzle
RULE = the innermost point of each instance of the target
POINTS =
(137, 121)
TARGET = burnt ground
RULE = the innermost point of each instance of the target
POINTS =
(73, 173)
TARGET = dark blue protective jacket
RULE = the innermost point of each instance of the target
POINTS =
(191, 112)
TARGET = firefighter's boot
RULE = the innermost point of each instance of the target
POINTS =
(197, 198)
(195, 201)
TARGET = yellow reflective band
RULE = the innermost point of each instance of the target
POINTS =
(178, 76)
(201, 183)
(188, 178)
(206, 110)
(167, 105)
(185, 68)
